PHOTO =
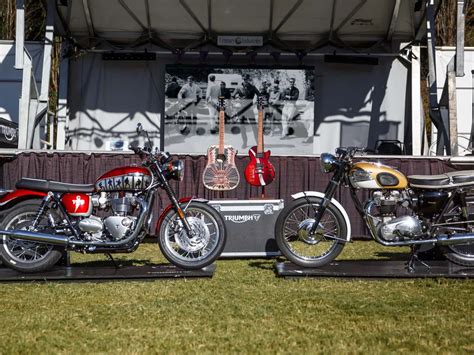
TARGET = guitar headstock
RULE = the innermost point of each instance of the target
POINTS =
(221, 101)
(261, 102)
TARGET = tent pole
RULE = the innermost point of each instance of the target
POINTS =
(435, 114)
(416, 117)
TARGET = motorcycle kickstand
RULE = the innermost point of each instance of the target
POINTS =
(117, 266)
(410, 265)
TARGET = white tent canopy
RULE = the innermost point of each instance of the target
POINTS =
(286, 24)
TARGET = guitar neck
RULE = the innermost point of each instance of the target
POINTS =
(260, 131)
(221, 130)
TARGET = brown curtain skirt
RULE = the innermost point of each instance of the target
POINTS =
(293, 174)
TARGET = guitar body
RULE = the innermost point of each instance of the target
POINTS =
(220, 173)
(259, 171)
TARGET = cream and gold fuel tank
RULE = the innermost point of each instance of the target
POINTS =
(366, 175)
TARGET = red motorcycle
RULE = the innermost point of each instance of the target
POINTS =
(43, 218)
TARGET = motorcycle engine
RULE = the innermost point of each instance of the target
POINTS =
(382, 213)
(118, 225)
(121, 222)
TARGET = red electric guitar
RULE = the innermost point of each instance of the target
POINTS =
(259, 172)
(220, 173)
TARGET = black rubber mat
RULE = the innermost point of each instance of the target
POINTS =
(104, 273)
(377, 269)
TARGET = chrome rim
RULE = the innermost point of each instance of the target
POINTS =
(298, 239)
(205, 239)
(466, 250)
(21, 250)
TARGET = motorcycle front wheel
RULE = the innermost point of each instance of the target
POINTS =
(201, 248)
(23, 255)
(301, 247)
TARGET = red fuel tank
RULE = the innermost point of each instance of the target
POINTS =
(77, 204)
(127, 178)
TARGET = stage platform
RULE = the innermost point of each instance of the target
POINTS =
(106, 273)
(376, 269)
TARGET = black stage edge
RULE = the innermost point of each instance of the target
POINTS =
(377, 269)
(106, 273)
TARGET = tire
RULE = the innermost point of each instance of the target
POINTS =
(299, 247)
(12, 251)
(461, 254)
(197, 252)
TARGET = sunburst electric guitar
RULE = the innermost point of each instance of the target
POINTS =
(259, 171)
(220, 173)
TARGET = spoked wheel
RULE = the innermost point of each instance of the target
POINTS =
(22, 255)
(292, 232)
(461, 254)
(193, 251)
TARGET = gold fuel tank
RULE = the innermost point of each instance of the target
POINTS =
(366, 175)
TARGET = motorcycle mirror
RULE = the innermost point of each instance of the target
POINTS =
(140, 130)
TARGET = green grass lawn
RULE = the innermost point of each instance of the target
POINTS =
(243, 308)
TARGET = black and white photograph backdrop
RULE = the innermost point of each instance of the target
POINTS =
(192, 111)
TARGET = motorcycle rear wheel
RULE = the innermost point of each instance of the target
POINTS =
(21, 255)
(461, 254)
(200, 250)
(301, 248)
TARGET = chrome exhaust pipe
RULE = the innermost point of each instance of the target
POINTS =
(65, 241)
(37, 237)
(446, 239)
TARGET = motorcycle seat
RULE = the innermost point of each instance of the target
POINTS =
(462, 176)
(54, 186)
(431, 181)
(442, 181)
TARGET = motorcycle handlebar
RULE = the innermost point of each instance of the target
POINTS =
(164, 157)
(349, 151)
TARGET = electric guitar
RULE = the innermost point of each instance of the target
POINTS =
(220, 173)
(259, 171)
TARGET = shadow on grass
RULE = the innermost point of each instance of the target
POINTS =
(383, 255)
(266, 264)
(118, 262)
(430, 254)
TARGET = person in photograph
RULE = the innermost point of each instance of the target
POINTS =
(246, 94)
(189, 95)
(173, 88)
(274, 99)
(223, 91)
(265, 95)
(289, 96)
(247, 91)
(212, 100)
(308, 115)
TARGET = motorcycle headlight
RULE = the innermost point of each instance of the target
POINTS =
(175, 170)
(328, 162)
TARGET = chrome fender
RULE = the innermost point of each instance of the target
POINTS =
(334, 202)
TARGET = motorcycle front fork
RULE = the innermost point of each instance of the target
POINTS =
(328, 194)
(177, 207)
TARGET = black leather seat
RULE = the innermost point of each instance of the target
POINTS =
(462, 177)
(435, 181)
(55, 186)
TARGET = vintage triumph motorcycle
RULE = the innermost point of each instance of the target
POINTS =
(45, 217)
(412, 211)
